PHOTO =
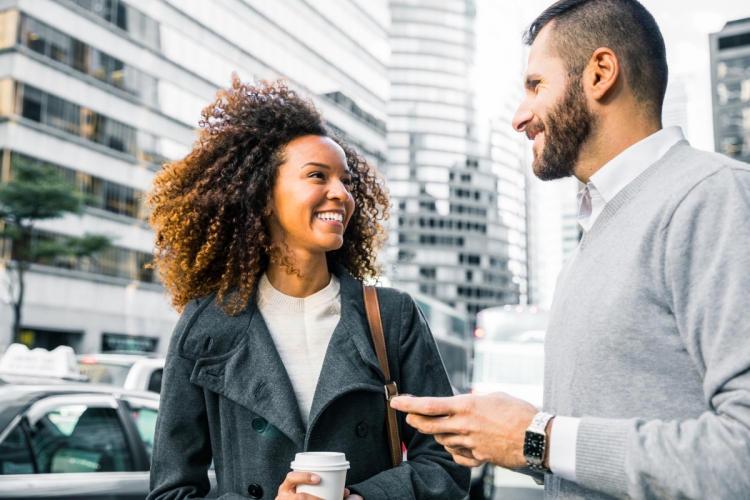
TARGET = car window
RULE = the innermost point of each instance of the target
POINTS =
(145, 421)
(15, 454)
(80, 438)
(106, 373)
(154, 383)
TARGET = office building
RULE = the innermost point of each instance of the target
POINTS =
(107, 90)
(450, 241)
(730, 79)
(509, 163)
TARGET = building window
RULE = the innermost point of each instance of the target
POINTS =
(427, 272)
(470, 259)
(470, 210)
(118, 262)
(76, 120)
(427, 206)
(109, 196)
(431, 239)
(139, 25)
(53, 44)
(498, 263)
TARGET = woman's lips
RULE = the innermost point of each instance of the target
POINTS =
(332, 222)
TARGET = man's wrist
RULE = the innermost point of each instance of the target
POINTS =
(536, 447)
(547, 442)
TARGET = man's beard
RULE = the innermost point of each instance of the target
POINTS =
(568, 124)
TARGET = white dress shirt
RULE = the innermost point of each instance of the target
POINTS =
(602, 187)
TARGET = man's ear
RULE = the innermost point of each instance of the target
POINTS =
(602, 73)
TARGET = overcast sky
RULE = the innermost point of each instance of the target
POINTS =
(685, 25)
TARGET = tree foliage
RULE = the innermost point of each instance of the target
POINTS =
(34, 193)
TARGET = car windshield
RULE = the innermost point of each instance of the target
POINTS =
(511, 326)
(106, 373)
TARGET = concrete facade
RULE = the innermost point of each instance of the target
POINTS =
(150, 66)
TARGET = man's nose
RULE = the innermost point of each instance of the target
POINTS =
(522, 117)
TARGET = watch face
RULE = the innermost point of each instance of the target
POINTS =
(533, 446)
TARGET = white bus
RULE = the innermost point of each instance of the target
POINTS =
(509, 352)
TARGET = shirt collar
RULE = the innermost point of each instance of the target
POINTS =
(625, 167)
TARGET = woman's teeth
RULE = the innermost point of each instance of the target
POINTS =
(330, 216)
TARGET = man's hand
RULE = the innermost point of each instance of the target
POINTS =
(474, 429)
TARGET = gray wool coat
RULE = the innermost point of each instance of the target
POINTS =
(226, 396)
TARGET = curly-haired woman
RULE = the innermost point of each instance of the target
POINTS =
(262, 234)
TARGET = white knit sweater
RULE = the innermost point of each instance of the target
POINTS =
(301, 330)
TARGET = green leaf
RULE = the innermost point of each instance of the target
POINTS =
(49, 249)
(37, 192)
(90, 244)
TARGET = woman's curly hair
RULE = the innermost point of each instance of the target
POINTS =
(208, 208)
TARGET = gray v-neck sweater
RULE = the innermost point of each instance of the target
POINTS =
(649, 337)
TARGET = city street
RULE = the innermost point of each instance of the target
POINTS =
(198, 196)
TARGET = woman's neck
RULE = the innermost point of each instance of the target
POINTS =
(312, 276)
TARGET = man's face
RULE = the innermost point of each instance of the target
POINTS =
(555, 114)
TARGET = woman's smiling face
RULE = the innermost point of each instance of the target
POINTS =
(312, 201)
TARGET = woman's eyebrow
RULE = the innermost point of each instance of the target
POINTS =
(323, 165)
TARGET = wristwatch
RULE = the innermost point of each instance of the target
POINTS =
(536, 441)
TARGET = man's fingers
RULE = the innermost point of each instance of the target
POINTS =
(454, 441)
(464, 456)
(467, 462)
(426, 406)
(436, 425)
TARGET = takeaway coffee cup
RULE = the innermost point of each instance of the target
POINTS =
(330, 467)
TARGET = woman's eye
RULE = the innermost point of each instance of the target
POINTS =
(347, 182)
(317, 175)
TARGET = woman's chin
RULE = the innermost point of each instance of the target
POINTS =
(331, 242)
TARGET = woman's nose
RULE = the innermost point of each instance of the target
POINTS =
(338, 191)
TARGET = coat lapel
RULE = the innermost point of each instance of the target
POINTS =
(350, 362)
(253, 375)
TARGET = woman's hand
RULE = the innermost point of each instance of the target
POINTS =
(288, 489)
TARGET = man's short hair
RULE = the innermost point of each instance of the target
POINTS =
(624, 26)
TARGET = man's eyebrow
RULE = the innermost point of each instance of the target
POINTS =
(323, 165)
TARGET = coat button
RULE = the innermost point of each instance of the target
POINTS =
(259, 425)
(255, 491)
(362, 429)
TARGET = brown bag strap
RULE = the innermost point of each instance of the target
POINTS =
(372, 308)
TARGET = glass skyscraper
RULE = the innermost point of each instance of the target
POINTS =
(447, 240)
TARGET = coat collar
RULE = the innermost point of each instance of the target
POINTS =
(253, 375)
(350, 362)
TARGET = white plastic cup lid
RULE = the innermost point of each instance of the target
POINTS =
(322, 461)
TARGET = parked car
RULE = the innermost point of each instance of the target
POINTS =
(129, 371)
(63, 438)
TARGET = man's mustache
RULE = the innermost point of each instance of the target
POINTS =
(534, 128)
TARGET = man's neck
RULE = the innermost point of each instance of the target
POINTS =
(609, 140)
(310, 275)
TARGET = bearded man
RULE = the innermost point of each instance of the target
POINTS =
(647, 352)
